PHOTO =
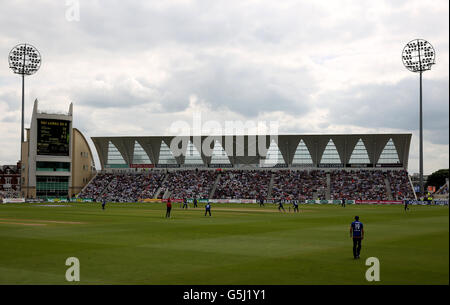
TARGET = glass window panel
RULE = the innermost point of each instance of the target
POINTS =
(192, 155)
(389, 154)
(165, 155)
(330, 154)
(302, 155)
(359, 154)
(273, 155)
(219, 155)
(114, 156)
(139, 155)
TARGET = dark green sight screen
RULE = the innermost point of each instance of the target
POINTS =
(53, 137)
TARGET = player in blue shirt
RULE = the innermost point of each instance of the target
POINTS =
(195, 202)
(261, 201)
(280, 205)
(103, 203)
(357, 233)
(208, 209)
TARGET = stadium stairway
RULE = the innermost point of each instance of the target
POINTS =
(315, 195)
(84, 187)
(412, 186)
(269, 191)
(213, 190)
(166, 194)
(106, 187)
(328, 191)
(388, 189)
(443, 187)
(160, 188)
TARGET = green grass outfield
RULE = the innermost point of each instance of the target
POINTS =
(240, 244)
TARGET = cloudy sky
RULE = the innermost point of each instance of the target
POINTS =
(132, 67)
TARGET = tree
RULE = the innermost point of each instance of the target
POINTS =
(437, 178)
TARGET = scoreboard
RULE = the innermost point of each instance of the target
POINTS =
(53, 137)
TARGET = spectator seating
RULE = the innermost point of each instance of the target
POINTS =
(243, 184)
(355, 184)
(298, 184)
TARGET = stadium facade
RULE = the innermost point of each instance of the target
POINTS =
(56, 158)
(10, 180)
(282, 151)
(57, 161)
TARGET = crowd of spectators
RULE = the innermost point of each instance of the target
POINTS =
(151, 185)
(127, 187)
(298, 184)
(189, 183)
(400, 185)
(124, 188)
(96, 187)
(358, 185)
(251, 184)
(243, 184)
(443, 190)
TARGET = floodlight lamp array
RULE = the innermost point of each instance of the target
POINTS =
(418, 55)
(24, 59)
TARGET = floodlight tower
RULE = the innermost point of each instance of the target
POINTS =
(24, 59)
(418, 56)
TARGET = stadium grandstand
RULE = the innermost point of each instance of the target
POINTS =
(294, 167)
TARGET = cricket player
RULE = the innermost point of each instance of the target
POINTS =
(103, 203)
(280, 205)
(208, 209)
(261, 201)
(185, 205)
(357, 233)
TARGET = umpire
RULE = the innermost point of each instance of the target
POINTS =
(169, 207)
